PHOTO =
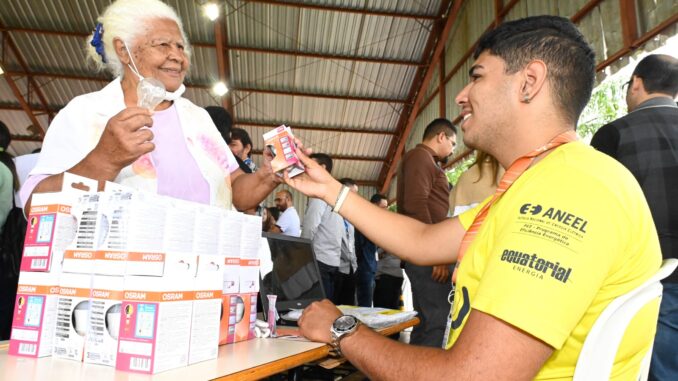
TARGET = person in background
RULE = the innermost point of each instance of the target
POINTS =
(241, 146)
(9, 184)
(288, 223)
(173, 150)
(345, 283)
(366, 254)
(423, 193)
(646, 142)
(325, 229)
(477, 183)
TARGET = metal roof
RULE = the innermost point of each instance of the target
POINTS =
(346, 75)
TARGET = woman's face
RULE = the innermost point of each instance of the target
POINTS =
(159, 53)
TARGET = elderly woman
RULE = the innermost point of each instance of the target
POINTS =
(174, 150)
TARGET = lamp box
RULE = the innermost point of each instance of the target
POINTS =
(155, 326)
(35, 313)
(239, 317)
(280, 143)
(206, 315)
(73, 311)
(87, 212)
(177, 244)
(134, 240)
(250, 241)
(230, 233)
(206, 237)
(101, 345)
(51, 228)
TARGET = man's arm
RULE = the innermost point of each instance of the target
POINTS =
(249, 189)
(606, 140)
(405, 237)
(485, 350)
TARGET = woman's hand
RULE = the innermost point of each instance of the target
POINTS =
(315, 181)
(124, 139)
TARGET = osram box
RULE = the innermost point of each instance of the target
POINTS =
(51, 227)
(101, 346)
(73, 314)
(155, 327)
(35, 312)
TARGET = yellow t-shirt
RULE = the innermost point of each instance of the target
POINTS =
(573, 233)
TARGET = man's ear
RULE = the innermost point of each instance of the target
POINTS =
(120, 51)
(534, 77)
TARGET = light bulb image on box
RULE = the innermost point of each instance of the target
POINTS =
(113, 320)
(80, 318)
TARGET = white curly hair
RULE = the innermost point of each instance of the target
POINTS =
(125, 19)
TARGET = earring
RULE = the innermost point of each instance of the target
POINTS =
(526, 98)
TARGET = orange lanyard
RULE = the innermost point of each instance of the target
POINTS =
(515, 170)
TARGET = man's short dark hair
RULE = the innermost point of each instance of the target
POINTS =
(556, 41)
(243, 136)
(659, 73)
(437, 126)
(349, 182)
(376, 198)
(287, 193)
(222, 119)
(324, 159)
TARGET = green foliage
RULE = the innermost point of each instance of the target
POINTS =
(456, 171)
(607, 103)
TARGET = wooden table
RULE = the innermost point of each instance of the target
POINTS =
(248, 360)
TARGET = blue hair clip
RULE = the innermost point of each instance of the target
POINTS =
(97, 42)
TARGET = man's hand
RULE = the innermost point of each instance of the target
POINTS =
(124, 139)
(440, 273)
(266, 168)
(317, 319)
(315, 181)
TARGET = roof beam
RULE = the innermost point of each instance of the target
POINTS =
(327, 56)
(360, 11)
(341, 157)
(24, 104)
(318, 95)
(350, 130)
(223, 63)
(243, 89)
(398, 145)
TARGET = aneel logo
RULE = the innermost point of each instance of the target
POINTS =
(558, 215)
(536, 266)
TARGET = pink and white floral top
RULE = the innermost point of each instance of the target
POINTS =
(199, 170)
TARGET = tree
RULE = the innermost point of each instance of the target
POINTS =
(607, 103)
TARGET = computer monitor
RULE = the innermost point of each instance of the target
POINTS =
(292, 273)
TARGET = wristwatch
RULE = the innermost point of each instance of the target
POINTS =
(343, 326)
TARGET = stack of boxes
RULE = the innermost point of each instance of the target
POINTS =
(134, 280)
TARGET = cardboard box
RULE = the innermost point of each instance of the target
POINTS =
(239, 317)
(101, 345)
(134, 240)
(73, 313)
(250, 241)
(155, 325)
(35, 313)
(51, 227)
(280, 142)
(87, 212)
(205, 321)
(230, 234)
(177, 243)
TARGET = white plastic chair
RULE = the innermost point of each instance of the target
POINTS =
(601, 345)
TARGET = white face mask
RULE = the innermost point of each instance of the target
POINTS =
(169, 96)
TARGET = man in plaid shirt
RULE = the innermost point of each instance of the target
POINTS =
(646, 142)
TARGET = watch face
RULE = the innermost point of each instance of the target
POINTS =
(345, 323)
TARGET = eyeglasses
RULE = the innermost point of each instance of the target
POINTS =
(626, 85)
